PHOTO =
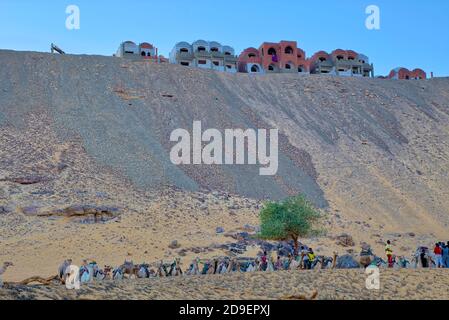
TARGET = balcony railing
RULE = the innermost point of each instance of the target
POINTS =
(184, 56)
(326, 63)
(217, 54)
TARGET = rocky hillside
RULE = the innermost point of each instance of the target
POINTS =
(86, 138)
(367, 147)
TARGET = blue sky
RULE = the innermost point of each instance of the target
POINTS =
(413, 33)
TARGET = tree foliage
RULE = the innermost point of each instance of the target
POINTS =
(292, 218)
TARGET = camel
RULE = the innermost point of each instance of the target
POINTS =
(213, 265)
(334, 260)
(105, 274)
(144, 271)
(325, 262)
(233, 266)
(3, 269)
(117, 274)
(128, 268)
(162, 270)
(71, 277)
(62, 270)
(222, 267)
(175, 268)
(403, 262)
(251, 267)
(194, 269)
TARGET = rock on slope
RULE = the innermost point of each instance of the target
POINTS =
(370, 148)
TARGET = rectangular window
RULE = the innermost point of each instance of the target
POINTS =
(202, 62)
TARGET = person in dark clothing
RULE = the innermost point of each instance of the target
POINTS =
(424, 261)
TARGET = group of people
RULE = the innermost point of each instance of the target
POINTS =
(441, 252)
(305, 259)
(423, 256)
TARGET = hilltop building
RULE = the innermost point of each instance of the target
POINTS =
(405, 74)
(205, 55)
(286, 57)
(270, 57)
(282, 57)
(341, 63)
(250, 61)
(143, 51)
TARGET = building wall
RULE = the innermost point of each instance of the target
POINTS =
(284, 56)
(271, 57)
(130, 50)
(248, 59)
(406, 74)
(205, 55)
(341, 63)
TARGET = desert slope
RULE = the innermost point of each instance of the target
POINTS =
(347, 142)
(93, 130)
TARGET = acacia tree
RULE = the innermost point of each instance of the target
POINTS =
(291, 218)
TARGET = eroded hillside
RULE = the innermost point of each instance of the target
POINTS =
(93, 132)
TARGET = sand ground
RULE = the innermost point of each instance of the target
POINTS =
(330, 284)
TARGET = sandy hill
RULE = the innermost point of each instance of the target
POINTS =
(94, 131)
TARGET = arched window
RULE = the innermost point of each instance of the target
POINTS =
(201, 49)
(351, 58)
(322, 59)
(251, 55)
(272, 52)
(143, 54)
(289, 50)
(148, 54)
(183, 63)
(407, 77)
(227, 53)
(299, 56)
(270, 67)
(300, 69)
(214, 49)
(184, 50)
(340, 57)
(255, 68)
(288, 66)
(216, 63)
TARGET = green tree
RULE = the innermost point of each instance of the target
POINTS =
(291, 218)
